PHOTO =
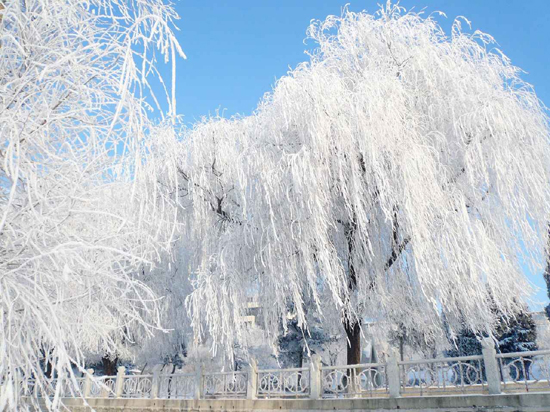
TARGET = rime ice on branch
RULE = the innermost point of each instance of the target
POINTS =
(79, 216)
(400, 174)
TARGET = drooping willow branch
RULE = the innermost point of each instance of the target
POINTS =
(399, 160)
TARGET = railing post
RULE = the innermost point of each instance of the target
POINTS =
(87, 383)
(392, 372)
(252, 384)
(155, 384)
(199, 383)
(315, 378)
(119, 384)
(491, 366)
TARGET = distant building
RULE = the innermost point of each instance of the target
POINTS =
(252, 311)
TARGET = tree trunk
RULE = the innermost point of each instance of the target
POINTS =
(299, 365)
(46, 362)
(353, 333)
(300, 359)
(352, 326)
(109, 365)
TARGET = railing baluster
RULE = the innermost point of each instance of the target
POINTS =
(444, 371)
(524, 374)
(461, 376)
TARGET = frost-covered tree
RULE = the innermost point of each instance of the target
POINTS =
(401, 172)
(517, 334)
(295, 344)
(418, 342)
(169, 280)
(80, 218)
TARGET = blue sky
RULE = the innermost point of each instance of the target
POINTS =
(237, 49)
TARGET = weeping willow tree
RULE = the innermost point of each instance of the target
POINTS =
(400, 174)
(80, 218)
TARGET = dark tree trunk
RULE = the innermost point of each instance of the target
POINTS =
(169, 388)
(352, 326)
(46, 362)
(109, 365)
(353, 333)
(48, 369)
(300, 364)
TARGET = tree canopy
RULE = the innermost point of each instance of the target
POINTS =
(399, 174)
(79, 217)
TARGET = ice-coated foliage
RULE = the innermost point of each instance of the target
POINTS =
(79, 217)
(169, 281)
(417, 160)
(517, 334)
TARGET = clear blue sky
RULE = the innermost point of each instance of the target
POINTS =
(236, 49)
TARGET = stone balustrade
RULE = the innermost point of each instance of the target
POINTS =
(486, 374)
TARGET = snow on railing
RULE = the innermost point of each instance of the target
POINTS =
(460, 374)
(225, 384)
(66, 390)
(283, 383)
(137, 386)
(487, 373)
(103, 387)
(176, 386)
(354, 380)
(525, 371)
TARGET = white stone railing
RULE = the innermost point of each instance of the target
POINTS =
(489, 373)
(283, 383)
(175, 386)
(524, 371)
(66, 390)
(137, 386)
(101, 387)
(363, 380)
(461, 374)
(225, 384)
